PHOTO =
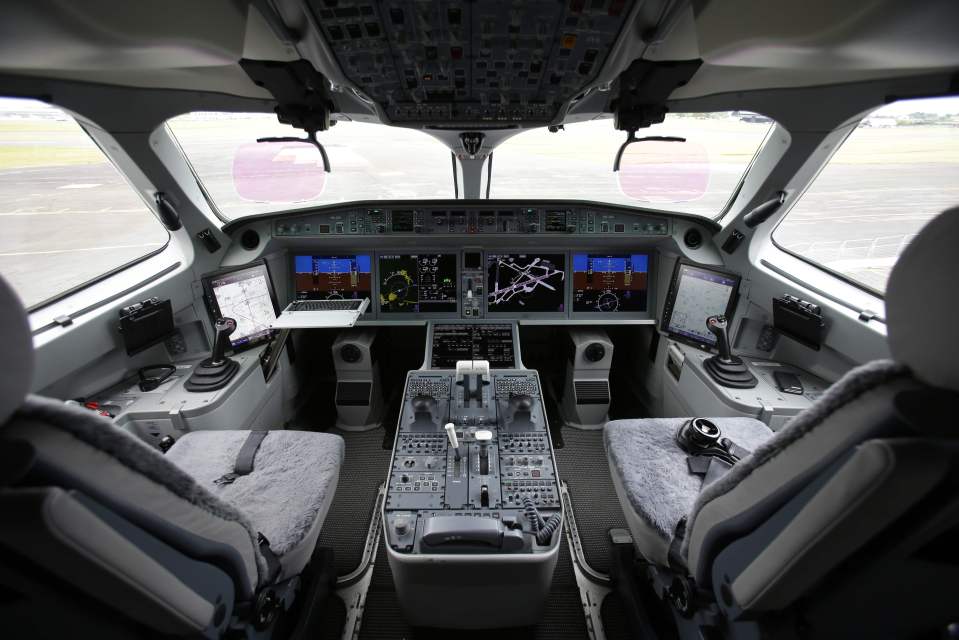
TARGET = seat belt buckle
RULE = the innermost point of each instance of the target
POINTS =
(225, 479)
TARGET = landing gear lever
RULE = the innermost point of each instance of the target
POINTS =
(726, 369)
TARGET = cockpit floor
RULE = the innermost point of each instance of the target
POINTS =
(582, 464)
(364, 470)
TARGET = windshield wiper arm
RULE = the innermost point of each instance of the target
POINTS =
(631, 138)
(309, 139)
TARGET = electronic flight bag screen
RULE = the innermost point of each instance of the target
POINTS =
(526, 283)
(332, 277)
(695, 294)
(417, 283)
(609, 283)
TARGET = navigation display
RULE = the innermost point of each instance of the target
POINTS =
(420, 283)
(610, 283)
(452, 342)
(526, 283)
(695, 294)
(332, 277)
(246, 295)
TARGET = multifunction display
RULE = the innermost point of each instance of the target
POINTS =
(453, 342)
(420, 283)
(695, 294)
(246, 295)
(526, 283)
(332, 277)
(608, 283)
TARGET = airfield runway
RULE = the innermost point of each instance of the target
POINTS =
(63, 224)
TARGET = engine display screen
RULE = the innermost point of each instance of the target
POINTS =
(453, 342)
(526, 283)
(610, 283)
(695, 294)
(420, 283)
(332, 277)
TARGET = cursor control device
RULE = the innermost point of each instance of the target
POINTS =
(216, 371)
(725, 368)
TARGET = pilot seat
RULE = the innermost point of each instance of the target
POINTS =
(101, 531)
(841, 524)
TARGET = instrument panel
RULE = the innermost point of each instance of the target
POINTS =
(474, 283)
(483, 221)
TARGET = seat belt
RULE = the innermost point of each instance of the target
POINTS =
(244, 459)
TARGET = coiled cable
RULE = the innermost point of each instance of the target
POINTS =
(541, 528)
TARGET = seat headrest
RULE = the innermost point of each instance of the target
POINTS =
(16, 370)
(922, 303)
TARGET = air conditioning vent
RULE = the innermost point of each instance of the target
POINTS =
(249, 239)
(693, 238)
(591, 391)
(353, 394)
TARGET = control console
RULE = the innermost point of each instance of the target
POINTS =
(472, 507)
(475, 444)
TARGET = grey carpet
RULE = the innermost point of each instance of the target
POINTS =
(364, 469)
(582, 464)
(615, 624)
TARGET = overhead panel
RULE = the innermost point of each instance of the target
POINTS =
(471, 62)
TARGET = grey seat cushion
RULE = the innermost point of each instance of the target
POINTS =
(287, 495)
(652, 479)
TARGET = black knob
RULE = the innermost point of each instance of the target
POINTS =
(718, 326)
(521, 402)
(594, 352)
(166, 442)
(423, 403)
(350, 353)
(223, 328)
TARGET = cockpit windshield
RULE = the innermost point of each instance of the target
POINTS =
(693, 166)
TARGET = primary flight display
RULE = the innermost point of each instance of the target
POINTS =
(608, 283)
(342, 277)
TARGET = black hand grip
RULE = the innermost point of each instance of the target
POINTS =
(224, 328)
(718, 326)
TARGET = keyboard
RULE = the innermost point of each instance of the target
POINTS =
(325, 305)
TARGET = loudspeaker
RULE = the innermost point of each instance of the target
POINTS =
(586, 396)
(358, 391)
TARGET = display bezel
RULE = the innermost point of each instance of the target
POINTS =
(213, 307)
(673, 291)
(651, 273)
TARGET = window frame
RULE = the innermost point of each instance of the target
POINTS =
(150, 207)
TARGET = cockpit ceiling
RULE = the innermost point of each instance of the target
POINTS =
(471, 62)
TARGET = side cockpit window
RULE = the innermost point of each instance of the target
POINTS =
(896, 171)
(67, 216)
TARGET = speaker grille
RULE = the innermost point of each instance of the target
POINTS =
(353, 394)
(591, 391)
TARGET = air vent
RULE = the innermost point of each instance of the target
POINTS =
(353, 394)
(351, 353)
(693, 238)
(594, 352)
(250, 240)
(591, 391)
